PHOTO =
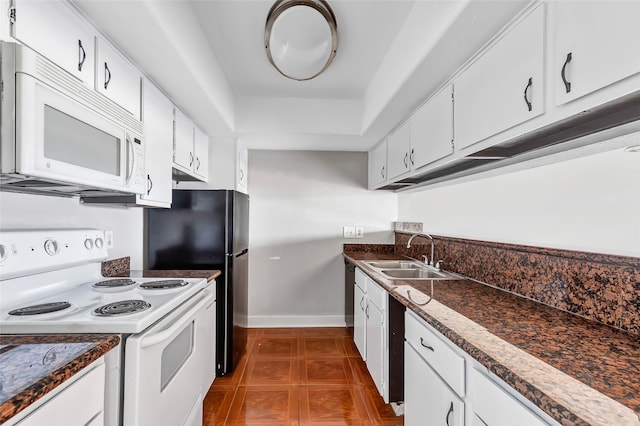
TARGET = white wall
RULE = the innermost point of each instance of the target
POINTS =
(588, 204)
(38, 211)
(299, 203)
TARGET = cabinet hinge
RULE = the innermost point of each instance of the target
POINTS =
(12, 14)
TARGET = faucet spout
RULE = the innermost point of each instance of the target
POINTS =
(425, 236)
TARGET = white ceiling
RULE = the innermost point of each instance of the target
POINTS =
(208, 56)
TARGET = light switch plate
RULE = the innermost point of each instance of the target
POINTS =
(359, 231)
(348, 232)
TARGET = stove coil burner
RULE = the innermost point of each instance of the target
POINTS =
(122, 307)
(163, 285)
(117, 283)
(44, 308)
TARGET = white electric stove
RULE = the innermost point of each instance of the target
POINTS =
(50, 282)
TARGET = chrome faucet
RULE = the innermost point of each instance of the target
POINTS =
(430, 263)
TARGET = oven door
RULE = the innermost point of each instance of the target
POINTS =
(163, 368)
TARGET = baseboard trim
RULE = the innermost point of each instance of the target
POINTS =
(270, 321)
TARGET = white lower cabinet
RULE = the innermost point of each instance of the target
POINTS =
(427, 399)
(80, 403)
(370, 334)
(445, 386)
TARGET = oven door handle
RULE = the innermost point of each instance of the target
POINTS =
(184, 317)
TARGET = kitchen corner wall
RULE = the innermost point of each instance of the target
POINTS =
(589, 204)
(39, 211)
(300, 200)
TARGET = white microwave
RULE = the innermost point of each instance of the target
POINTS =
(61, 137)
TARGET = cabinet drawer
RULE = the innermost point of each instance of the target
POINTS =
(494, 406)
(442, 358)
(376, 295)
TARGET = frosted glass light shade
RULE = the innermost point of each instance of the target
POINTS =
(300, 37)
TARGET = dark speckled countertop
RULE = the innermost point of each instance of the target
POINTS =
(578, 371)
(32, 366)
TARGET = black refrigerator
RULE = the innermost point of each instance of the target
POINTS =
(208, 229)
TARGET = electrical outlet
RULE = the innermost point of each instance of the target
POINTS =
(108, 239)
(359, 231)
(348, 232)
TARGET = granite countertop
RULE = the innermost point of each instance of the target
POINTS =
(171, 273)
(33, 365)
(576, 370)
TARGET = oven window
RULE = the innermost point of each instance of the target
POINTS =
(72, 141)
(175, 355)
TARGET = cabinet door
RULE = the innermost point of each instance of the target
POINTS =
(359, 320)
(596, 43)
(399, 145)
(378, 164)
(158, 123)
(56, 32)
(241, 169)
(432, 129)
(182, 141)
(201, 149)
(504, 86)
(375, 343)
(117, 79)
(428, 401)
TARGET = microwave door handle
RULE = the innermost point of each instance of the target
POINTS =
(183, 319)
(131, 160)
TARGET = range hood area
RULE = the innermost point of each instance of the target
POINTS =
(562, 135)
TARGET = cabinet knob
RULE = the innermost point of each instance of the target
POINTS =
(382, 172)
(406, 160)
(190, 159)
(197, 163)
(149, 184)
(567, 84)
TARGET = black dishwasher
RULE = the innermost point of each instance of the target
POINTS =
(349, 282)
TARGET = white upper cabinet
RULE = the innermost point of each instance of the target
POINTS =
(158, 121)
(182, 141)
(58, 33)
(190, 147)
(201, 153)
(399, 154)
(595, 44)
(504, 86)
(242, 167)
(378, 165)
(117, 79)
(432, 129)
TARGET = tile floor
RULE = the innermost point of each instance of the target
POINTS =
(298, 376)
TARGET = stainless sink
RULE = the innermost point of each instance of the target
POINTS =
(415, 274)
(395, 264)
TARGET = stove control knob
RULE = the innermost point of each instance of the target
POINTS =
(51, 247)
(3, 253)
(88, 244)
(99, 242)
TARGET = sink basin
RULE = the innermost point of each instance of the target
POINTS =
(395, 264)
(416, 274)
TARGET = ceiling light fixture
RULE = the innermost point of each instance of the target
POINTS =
(301, 37)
